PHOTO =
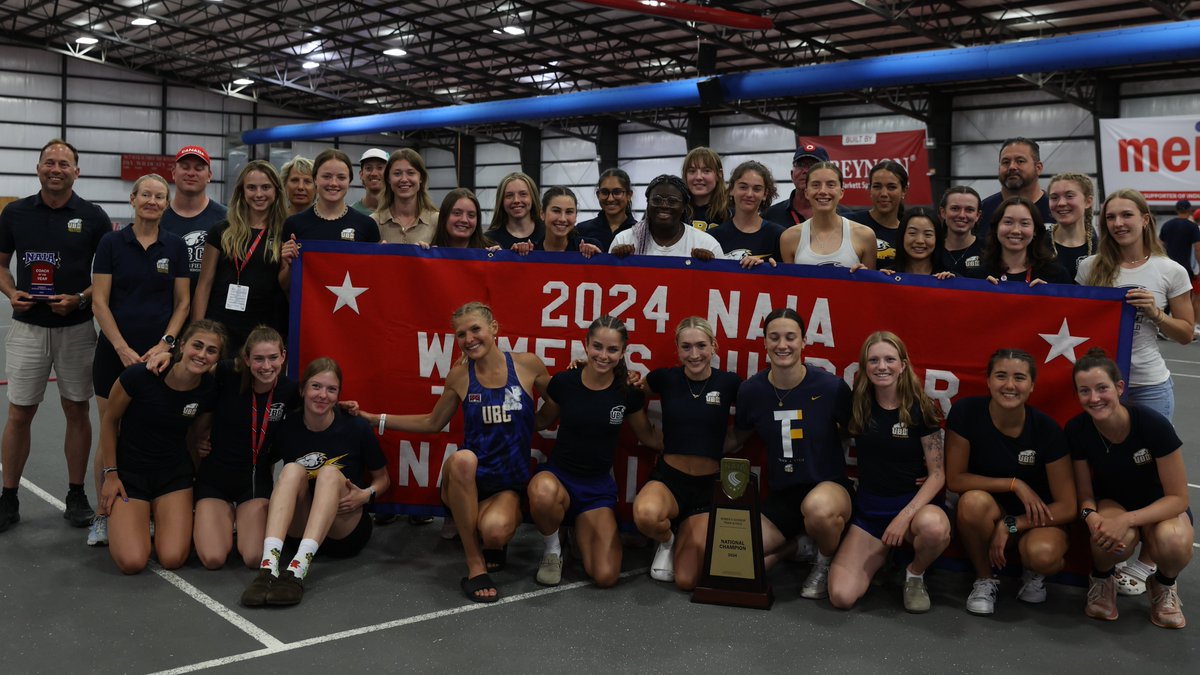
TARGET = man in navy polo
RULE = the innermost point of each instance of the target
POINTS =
(1019, 172)
(191, 213)
(54, 235)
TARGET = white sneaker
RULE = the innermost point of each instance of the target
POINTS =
(1033, 588)
(806, 549)
(816, 585)
(663, 567)
(982, 599)
(98, 532)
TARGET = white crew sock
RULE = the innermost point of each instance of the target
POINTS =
(304, 556)
(552, 544)
(272, 549)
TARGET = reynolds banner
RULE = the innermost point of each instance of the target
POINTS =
(857, 153)
(1157, 156)
(383, 312)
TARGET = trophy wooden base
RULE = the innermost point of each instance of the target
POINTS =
(724, 596)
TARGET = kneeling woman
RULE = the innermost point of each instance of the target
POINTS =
(672, 508)
(1008, 462)
(1132, 487)
(144, 439)
(899, 442)
(577, 484)
(233, 482)
(482, 482)
(322, 490)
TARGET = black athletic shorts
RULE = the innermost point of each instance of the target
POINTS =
(151, 484)
(693, 494)
(782, 507)
(349, 545)
(214, 481)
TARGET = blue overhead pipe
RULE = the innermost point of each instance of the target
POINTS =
(1125, 46)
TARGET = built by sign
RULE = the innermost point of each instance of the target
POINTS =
(1158, 156)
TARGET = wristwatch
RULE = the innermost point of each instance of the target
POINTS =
(169, 339)
(371, 500)
(84, 301)
(1085, 513)
(1011, 523)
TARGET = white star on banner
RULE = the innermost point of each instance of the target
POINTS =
(347, 295)
(1062, 343)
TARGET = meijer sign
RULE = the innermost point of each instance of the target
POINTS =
(1158, 156)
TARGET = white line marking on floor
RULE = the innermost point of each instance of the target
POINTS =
(1193, 485)
(1178, 374)
(355, 632)
(177, 581)
(1196, 363)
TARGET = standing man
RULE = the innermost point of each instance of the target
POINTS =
(796, 209)
(54, 234)
(1020, 167)
(370, 172)
(1181, 237)
(191, 213)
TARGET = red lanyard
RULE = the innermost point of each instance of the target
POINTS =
(249, 254)
(795, 215)
(259, 436)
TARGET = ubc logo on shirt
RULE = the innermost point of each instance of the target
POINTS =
(163, 265)
(314, 461)
(1142, 457)
(899, 430)
(1027, 457)
(191, 409)
(713, 398)
(348, 234)
(972, 263)
(75, 225)
(495, 414)
(616, 415)
(277, 411)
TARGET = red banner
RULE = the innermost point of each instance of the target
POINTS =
(134, 167)
(384, 313)
(857, 153)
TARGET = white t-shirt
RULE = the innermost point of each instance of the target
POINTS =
(692, 238)
(1165, 279)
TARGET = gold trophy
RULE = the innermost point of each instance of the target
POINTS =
(733, 572)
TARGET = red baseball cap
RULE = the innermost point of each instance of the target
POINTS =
(194, 150)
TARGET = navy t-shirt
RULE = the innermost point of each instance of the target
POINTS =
(349, 444)
(573, 242)
(891, 456)
(1125, 472)
(737, 244)
(694, 414)
(352, 226)
(54, 250)
(598, 231)
(506, 239)
(964, 262)
(232, 448)
(589, 422)
(153, 433)
(998, 456)
(1179, 237)
(142, 297)
(886, 239)
(259, 273)
(194, 231)
(801, 431)
(1069, 256)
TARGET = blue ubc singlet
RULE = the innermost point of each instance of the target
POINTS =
(497, 426)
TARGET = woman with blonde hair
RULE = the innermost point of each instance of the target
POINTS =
(1071, 198)
(517, 213)
(705, 177)
(239, 276)
(297, 177)
(406, 214)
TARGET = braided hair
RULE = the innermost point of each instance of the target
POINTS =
(641, 231)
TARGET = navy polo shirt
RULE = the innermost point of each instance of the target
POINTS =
(598, 231)
(143, 281)
(54, 247)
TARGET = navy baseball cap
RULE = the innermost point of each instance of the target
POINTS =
(810, 150)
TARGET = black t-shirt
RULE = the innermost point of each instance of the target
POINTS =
(261, 275)
(232, 447)
(1069, 256)
(1125, 472)
(801, 431)
(1179, 237)
(885, 238)
(694, 414)
(54, 250)
(737, 244)
(589, 422)
(506, 239)
(965, 262)
(573, 242)
(1052, 273)
(998, 456)
(153, 433)
(349, 444)
(704, 220)
(598, 231)
(890, 455)
(989, 205)
(193, 230)
(352, 226)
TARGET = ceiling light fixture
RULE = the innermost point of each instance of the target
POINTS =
(144, 21)
(85, 40)
(243, 81)
(309, 65)
(514, 30)
(394, 51)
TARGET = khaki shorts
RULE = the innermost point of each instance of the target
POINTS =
(31, 351)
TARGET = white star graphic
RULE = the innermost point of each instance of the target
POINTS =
(347, 295)
(1062, 343)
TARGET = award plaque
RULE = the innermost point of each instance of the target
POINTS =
(733, 572)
